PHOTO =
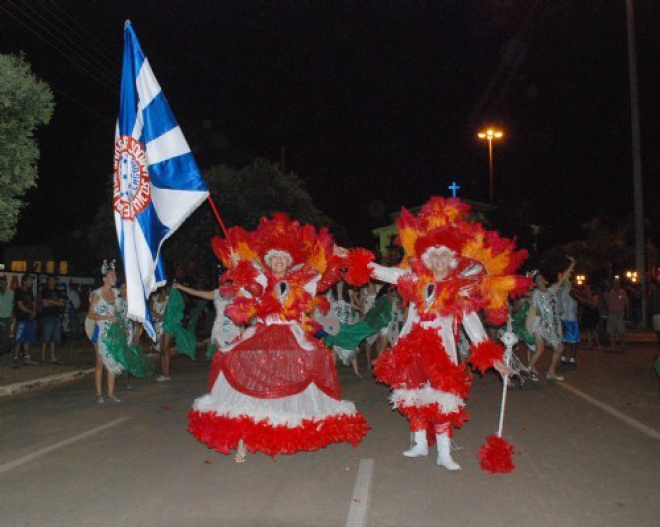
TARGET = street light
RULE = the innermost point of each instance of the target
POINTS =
(490, 135)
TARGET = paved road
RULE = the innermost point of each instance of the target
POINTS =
(588, 456)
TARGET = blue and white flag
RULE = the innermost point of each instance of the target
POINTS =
(157, 183)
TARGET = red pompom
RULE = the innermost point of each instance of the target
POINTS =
(241, 310)
(495, 457)
(243, 274)
(358, 273)
(485, 354)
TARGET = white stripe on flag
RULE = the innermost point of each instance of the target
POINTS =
(138, 267)
(146, 84)
(168, 145)
(174, 206)
(146, 261)
(137, 129)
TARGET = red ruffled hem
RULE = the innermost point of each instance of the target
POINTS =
(223, 433)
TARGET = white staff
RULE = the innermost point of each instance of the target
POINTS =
(509, 339)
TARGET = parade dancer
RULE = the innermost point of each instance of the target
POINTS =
(547, 324)
(452, 270)
(104, 310)
(276, 390)
(343, 309)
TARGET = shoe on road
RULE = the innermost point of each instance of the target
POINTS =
(162, 378)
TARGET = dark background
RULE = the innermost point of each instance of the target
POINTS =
(377, 104)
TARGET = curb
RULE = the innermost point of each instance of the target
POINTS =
(44, 382)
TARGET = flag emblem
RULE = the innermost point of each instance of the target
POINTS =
(131, 189)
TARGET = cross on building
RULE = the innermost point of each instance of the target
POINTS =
(453, 187)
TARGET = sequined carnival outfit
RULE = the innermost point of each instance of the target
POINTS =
(275, 388)
(347, 316)
(548, 324)
(106, 308)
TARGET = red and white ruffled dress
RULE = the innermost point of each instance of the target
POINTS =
(276, 389)
(429, 386)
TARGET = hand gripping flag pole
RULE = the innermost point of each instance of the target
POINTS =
(156, 181)
(496, 455)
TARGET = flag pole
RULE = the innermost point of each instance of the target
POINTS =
(217, 217)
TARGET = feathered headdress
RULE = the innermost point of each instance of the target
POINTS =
(303, 243)
(487, 262)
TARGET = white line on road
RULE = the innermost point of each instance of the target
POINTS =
(357, 514)
(42, 451)
(652, 432)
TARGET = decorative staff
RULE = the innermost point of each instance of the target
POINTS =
(496, 455)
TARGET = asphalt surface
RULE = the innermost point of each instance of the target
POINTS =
(582, 460)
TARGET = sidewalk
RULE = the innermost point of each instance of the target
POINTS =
(76, 358)
(641, 336)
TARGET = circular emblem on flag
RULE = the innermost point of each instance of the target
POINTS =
(131, 191)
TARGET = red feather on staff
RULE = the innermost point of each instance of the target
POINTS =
(495, 457)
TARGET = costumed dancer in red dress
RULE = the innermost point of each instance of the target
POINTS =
(276, 389)
(452, 270)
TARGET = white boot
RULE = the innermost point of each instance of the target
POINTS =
(444, 452)
(421, 447)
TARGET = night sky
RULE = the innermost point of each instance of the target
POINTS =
(377, 104)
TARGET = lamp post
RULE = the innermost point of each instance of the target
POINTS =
(489, 135)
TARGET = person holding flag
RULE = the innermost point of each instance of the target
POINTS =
(156, 184)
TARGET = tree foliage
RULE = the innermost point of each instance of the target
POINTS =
(603, 251)
(25, 103)
(242, 197)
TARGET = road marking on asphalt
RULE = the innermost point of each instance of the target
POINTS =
(357, 514)
(652, 432)
(43, 451)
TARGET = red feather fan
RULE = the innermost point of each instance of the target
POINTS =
(358, 273)
(485, 354)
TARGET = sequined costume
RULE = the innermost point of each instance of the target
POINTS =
(347, 317)
(547, 325)
(158, 308)
(105, 308)
(276, 388)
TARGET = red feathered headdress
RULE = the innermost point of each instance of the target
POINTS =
(303, 243)
(491, 259)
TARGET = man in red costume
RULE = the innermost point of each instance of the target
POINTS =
(452, 270)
